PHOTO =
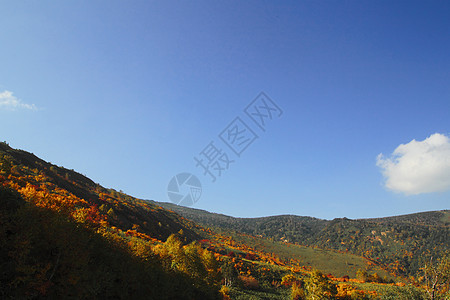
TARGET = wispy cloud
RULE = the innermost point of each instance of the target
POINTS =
(9, 102)
(418, 166)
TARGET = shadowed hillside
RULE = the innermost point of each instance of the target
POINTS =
(43, 254)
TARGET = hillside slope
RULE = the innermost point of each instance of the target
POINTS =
(44, 255)
(125, 212)
(400, 243)
(291, 225)
(64, 236)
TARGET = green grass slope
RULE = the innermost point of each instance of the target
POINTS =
(401, 243)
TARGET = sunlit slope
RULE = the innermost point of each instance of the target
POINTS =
(24, 170)
(400, 243)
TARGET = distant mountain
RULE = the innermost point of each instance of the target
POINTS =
(285, 227)
(400, 243)
(430, 218)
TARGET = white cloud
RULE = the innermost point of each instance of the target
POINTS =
(419, 166)
(10, 102)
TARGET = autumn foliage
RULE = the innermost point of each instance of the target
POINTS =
(64, 236)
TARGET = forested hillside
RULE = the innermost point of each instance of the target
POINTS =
(44, 254)
(402, 244)
(62, 236)
(42, 179)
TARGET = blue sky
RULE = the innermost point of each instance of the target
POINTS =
(128, 92)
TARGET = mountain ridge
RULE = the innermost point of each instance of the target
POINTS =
(374, 219)
(400, 243)
(33, 161)
(124, 208)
